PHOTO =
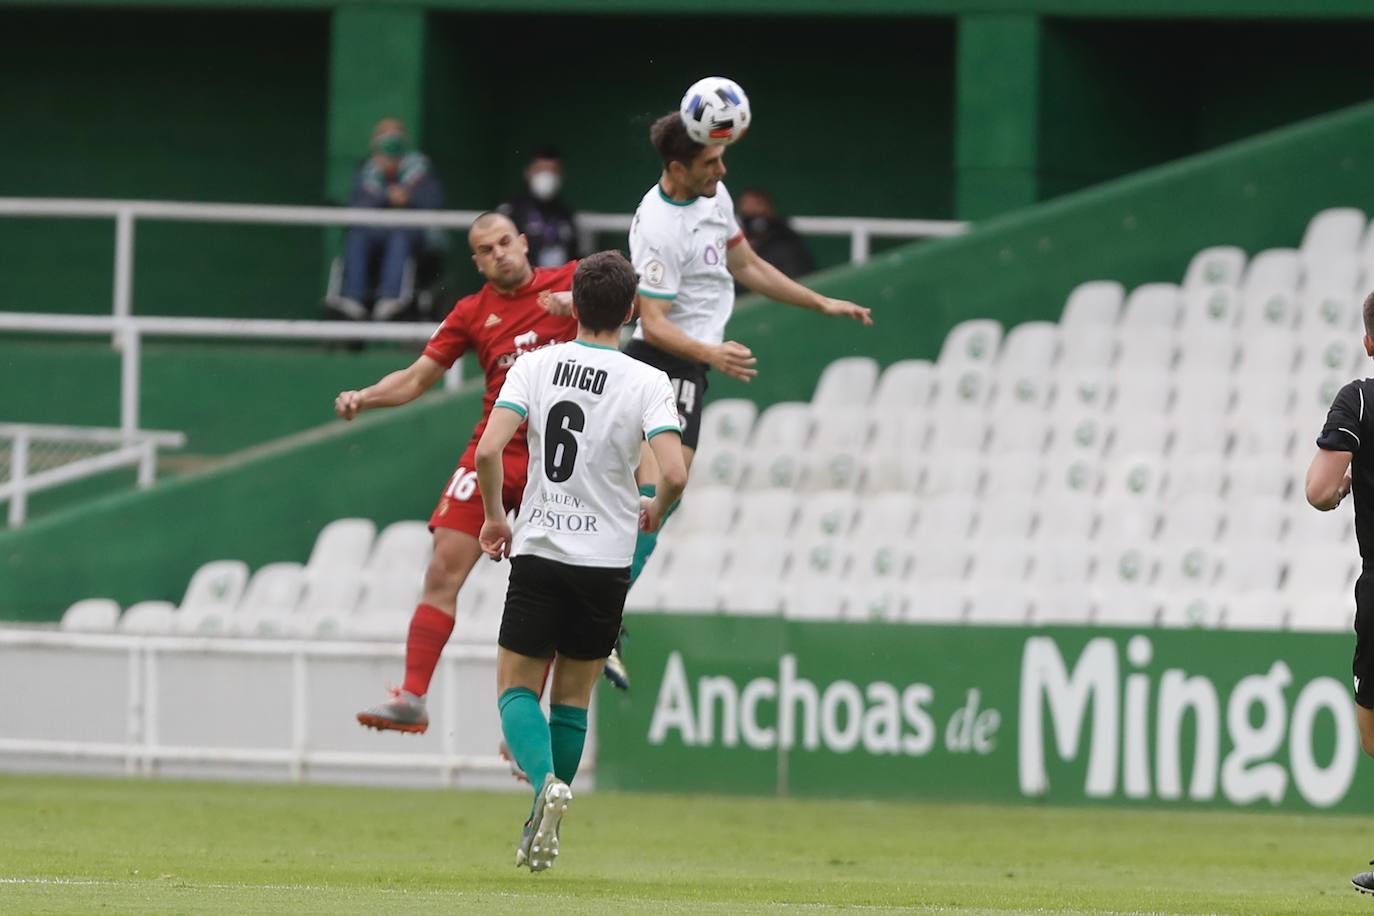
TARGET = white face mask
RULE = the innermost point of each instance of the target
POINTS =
(545, 185)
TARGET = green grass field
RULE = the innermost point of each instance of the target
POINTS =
(72, 845)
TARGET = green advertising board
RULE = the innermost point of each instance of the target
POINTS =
(727, 704)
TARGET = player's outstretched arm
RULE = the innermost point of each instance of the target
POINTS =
(501, 426)
(763, 278)
(399, 387)
(1328, 479)
(729, 358)
(672, 467)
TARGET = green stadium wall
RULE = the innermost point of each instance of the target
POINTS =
(269, 506)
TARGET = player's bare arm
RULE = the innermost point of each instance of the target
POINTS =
(1328, 479)
(556, 303)
(729, 358)
(501, 428)
(763, 278)
(392, 390)
(672, 467)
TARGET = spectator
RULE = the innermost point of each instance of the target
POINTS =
(375, 257)
(540, 213)
(770, 236)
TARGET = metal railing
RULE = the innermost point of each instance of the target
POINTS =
(144, 688)
(860, 230)
(71, 453)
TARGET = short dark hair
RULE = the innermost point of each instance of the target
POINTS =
(603, 289)
(669, 136)
(1369, 315)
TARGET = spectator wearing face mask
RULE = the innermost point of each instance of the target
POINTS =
(770, 236)
(395, 176)
(539, 212)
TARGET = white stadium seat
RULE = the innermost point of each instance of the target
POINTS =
(965, 387)
(1252, 565)
(1191, 564)
(1087, 348)
(773, 467)
(846, 382)
(905, 384)
(149, 618)
(91, 615)
(1012, 473)
(880, 561)
(935, 602)
(1096, 303)
(1189, 479)
(1012, 516)
(823, 600)
(892, 516)
(817, 557)
(272, 596)
(1062, 605)
(1137, 477)
(720, 465)
(999, 604)
(1210, 310)
(769, 512)
(1191, 609)
(729, 420)
(216, 587)
(843, 426)
(879, 601)
(1255, 518)
(783, 425)
(1255, 611)
(1199, 517)
(344, 542)
(1067, 517)
(934, 561)
(1030, 346)
(1333, 232)
(1216, 266)
(999, 559)
(402, 548)
(704, 509)
(829, 514)
(1144, 353)
(1061, 563)
(1088, 390)
(1125, 606)
(1153, 305)
(974, 342)
(1273, 269)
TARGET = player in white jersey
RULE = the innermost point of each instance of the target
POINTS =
(589, 408)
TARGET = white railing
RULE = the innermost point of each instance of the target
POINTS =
(114, 449)
(149, 702)
(131, 332)
(860, 230)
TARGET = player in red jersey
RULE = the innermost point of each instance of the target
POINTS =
(501, 321)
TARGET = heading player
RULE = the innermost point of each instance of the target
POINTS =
(588, 409)
(502, 321)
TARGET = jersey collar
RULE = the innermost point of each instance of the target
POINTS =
(676, 203)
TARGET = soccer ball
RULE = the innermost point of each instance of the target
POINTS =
(715, 111)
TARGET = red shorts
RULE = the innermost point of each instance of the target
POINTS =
(460, 505)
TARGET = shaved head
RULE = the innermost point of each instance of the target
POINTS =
(490, 221)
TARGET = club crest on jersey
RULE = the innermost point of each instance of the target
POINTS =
(653, 273)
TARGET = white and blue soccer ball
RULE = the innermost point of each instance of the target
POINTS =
(715, 111)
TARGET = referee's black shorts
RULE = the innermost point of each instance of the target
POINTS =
(1363, 665)
(689, 385)
(557, 607)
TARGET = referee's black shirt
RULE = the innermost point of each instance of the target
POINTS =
(1348, 423)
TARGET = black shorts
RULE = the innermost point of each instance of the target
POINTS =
(1363, 665)
(557, 607)
(689, 384)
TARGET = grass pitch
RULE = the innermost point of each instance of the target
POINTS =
(71, 845)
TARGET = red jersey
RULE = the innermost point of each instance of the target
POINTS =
(503, 327)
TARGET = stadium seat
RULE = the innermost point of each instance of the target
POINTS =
(1011, 473)
(1253, 476)
(1206, 351)
(998, 559)
(1137, 476)
(935, 602)
(1320, 570)
(1145, 352)
(343, 543)
(1209, 310)
(1060, 563)
(727, 421)
(720, 465)
(1142, 393)
(1196, 518)
(1258, 434)
(1123, 563)
(849, 427)
(1019, 389)
(1255, 611)
(750, 596)
(998, 604)
(903, 385)
(891, 516)
(830, 469)
(1255, 518)
(1273, 269)
(1077, 435)
(814, 600)
(1071, 477)
(1129, 520)
(149, 618)
(966, 387)
(1191, 609)
(846, 382)
(703, 509)
(1216, 266)
(765, 513)
(1030, 346)
(1339, 354)
(958, 430)
(690, 583)
(1330, 298)
(397, 596)
(1191, 564)
(1194, 478)
(1096, 303)
(974, 342)
(1309, 526)
(1267, 355)
(1153, 305)
(328, 596)
(403, 548)
(932, 561)
(90, 615)
(1082, 391)
(272, 596)
(1020, 433)
(1252, 565)
(1125, 606)
(212, 595)
(953, 474)
(1067, 517)
(1332, 232)
(1321, 612)
(1087, 348)
(868, 562)
(783, 425)
(816, 558)
(1198, 435)
(1069, 605)
(775, 467)
(879, 601)
(644, 593)
(831, 514)
(1012, 516)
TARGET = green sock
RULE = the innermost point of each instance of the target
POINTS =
(527, 734)
(567, 733)
(645, 543)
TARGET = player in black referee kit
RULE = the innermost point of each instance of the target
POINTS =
(589, 409)
(1339, 467)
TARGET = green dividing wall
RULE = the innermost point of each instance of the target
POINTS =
(270, 506)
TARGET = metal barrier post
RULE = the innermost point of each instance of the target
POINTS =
(19, 470)
(858, 245)
(129, 380)
(123, 268)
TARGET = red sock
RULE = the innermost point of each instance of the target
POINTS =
(430, 629)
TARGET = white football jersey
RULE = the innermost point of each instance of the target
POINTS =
(588, 408)
(678, 249)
